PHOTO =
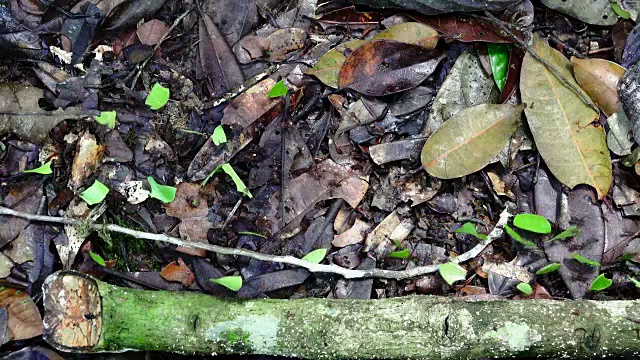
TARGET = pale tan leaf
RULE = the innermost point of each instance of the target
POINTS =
(25, 321)
(599, 79)
(469, 140)
(562, 125)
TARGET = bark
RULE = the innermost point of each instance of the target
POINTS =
(86, 315)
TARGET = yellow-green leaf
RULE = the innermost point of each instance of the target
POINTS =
(44, 169)
(410, 33)
(107, 118)
(97, 258)
(600, 283)
(599, 78)
(469, 140)
(327, 69)
(219, 137)
(574, 149)
(158, 97)
(233, 283)
(315, 256)
(452, 272)
(525, 288)
(95, 193)
(164, 193)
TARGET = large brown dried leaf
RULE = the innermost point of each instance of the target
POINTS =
(152, 32)
(219, 65)
(599, 78)
(190, 206)
(470, 140)
(562, 124)
(25, 321)
(384, 67)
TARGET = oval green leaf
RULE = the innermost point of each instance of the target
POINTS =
(316, 256)
(158, 97)
(452, 272)
(164, 193)
(107, 118)
(233, 283)
(548, 269)
(469, 140)
(600, 283)
(97, 258)
(44, 169)
(278, 90)
(532, 222)
(327, 69)
(517, 237)
(562, 124)
(499, 59)
(525, 288)
(95, 193)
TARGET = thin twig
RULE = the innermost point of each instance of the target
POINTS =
(496, 233)
(548, 65)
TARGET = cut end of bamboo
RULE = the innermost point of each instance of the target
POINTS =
(73, 311)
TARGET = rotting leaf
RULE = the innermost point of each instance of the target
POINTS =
(525, 288)
(532, 222)
(129, 13)
(164, 193)
(316, 256)
(233, 283)
(190, 206)
(574, 149)
(548, 269)
(95, 193)
(594, 12)
(469, 140)
(158, 97)
(468, 29)
(499, 58)
(452, 272)
(384, 67)
(44, 169)
(620, 135)
(600, 283)
(599, 79)
(107, 118)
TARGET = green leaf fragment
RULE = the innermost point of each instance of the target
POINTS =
(517, 237)
(570, 232)
(164, 193)
(240, 186)
(532, 222)
(470, 229)
(634, 281)
(278, 90)
(97, 258)
(316, 256)
(586, 261)
(219, 137)
(95, 193)
(600, 283)
(499, 59)
(158, 97)
(107, 118)
(233, 283)
(452, 272)
(548, 269)
(620, 11)
(400, 254)
(44, 169)
(525, 288)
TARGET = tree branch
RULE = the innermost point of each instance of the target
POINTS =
(315, 268)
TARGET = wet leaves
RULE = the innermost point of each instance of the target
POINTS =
(384, 67)
(469, 140)
(562, 124)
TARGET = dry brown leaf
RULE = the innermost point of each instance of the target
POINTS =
(25, 321)
(178, 272)
(152, 32)
(599, 79)
(354, 235)
(88, 157)
(191, 207)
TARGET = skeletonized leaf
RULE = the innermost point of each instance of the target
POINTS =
(469, 140)
(595, 12)
(562, 124)
(599, 79)
(384, 67)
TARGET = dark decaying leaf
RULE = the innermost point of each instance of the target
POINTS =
(130, 12)
(629, 93)
(433, 7)
(258, 285)
(152, 31)
(81, 30)
(585, 213)
(384, 67)
(618, 233)
(631, 52)
(217, 62)
(467, 29)
(234, 18)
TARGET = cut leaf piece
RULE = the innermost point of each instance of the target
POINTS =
(525, 288)
(452, 272)
(315, 256)
(469, 140)
(600, 283)
(327, 69)
(499, 58)
(44, 169)
(517, 237)
(532, 222)
(233, 283)
(240, 186)
(400, 254)
(164, 193)
(158, 97)
(548, 269)
(219, 137)
(570, 232)
(470, 229)
(107, 118)
(634, 281)
(97, 258)
(586, 261)
(95, 193)
(384, 67)
(562, 125)
(278, 90)
(599, 79)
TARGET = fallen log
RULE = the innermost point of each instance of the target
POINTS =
(86, 315)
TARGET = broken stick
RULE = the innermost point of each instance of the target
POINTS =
(86, 315)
